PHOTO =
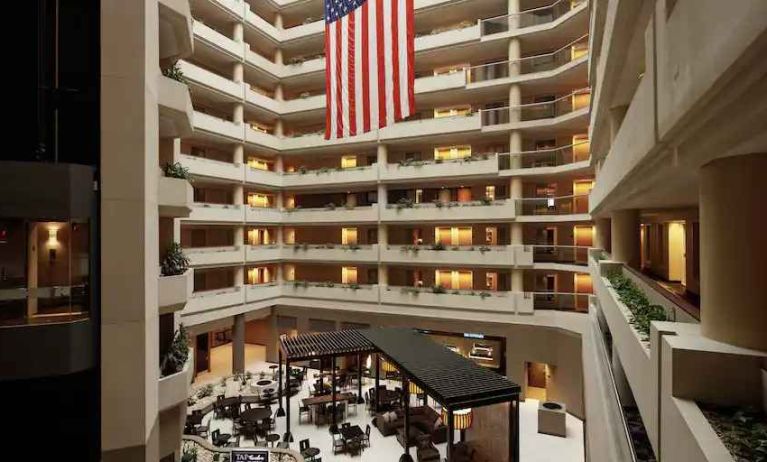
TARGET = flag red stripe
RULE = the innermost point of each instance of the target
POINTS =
(366, 67)
(411, 56)
(338, 82)
(395, 58)
(328, 101)
(352, 95)
(381, 65)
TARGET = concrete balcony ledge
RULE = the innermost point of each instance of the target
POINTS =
(263, 177)
(228, 213)
(176, 38)
(175, 106)
(471, 211)
(448, 38)
(330, 252)
(173, 389)
(209, 168)
(214, 299)
(206, 256)
(217, 40)
(261, 292)
(259, 253)
(331, 291)
(196, 75)
(454, 169)
(174, 197)
(501, 255)
(502, 302)
(263, 215)
(217, 126)
(323, 177)
(174, 291)
(339, 214)
(432, 127)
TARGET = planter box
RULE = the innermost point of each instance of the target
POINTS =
(174, 291)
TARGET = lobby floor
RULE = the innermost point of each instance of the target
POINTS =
(534, 447)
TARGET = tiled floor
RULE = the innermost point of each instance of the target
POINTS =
(534, 447)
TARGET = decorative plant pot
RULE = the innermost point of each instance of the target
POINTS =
(552, 417)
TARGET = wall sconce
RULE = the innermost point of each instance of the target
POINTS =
(53, 236)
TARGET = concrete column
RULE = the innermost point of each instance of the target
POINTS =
(238, 154)
(239, 235)
(239, 276)
(515, 148)
(238, 113)
(602, 233)
(238, 344)
(278, 92)
(129, 233)
(238, 32)
(513, 8)
(238, 72)
(733, 250)
(383, 275)
(383, 235)
(517, 280)
(279, 165)
(382, 152)
(516, 233)
(278, 56)
(624, 234)
(278, 21)
(239, 194)
(383, 198)
(279, 200)
(278, 129)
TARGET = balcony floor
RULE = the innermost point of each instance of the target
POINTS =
(534, 447)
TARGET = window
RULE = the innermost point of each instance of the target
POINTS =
(454, 279)
(349, 236)
(258, 164)
(451, 111)
(259, 275)
(348, 161)
(258, 200)
(452, 152)
(349, 275)
(490, 192)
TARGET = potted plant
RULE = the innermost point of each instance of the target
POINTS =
(175, 262)
(176, 170)
(177, 354)
(174, 72)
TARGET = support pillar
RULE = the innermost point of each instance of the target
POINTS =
(378, 380)
(450, 435)
(238, 154)
(333, 387)
(733, 250)
(602, 234)
(624, 234)
(280, 410)
(360, 399)
(288, 438)
(238, 344)
(406, 399)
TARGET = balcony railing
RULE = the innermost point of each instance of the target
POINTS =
(576, 100)
(561, 301)
(36, 305)
(572, 254)
(528, 18)
(528, 65)
(566, 205)
(553, 157)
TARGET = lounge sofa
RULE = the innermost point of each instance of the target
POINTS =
(423, 418)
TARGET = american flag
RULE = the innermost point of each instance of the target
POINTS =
(369, 65)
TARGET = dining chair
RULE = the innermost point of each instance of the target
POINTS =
(338, 444)
(366, 438)
(303, 445)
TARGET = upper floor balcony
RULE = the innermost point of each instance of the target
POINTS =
(213, 256)
(565, 208)
(263, 214)
(196, 75)
(330, 252)
(530, 67)
(331, 214)
(203, 167)
(563, 112)
(174, 197)
(265, 252)
(330, 176)
(466, 167)
(570, 157)
(217, 126)
(361, 293)
(214, 299)
(471, 300)
(210, 37)
(442, 254)
(478, 211)
(175, 27)
(534, 19)
(227, 213)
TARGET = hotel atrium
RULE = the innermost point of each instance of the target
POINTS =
(556, 257)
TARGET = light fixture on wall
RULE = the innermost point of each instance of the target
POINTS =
(53, 236)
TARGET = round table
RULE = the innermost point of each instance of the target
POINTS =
(310, 453)
(272, 438)
(255, 415)
(264, 382)
(222, 439)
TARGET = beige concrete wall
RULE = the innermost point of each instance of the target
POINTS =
(129, 233)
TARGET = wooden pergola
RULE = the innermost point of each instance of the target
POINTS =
(448, 378)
